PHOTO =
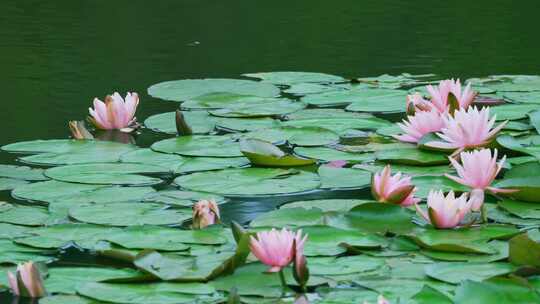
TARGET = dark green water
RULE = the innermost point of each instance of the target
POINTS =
(56, 56)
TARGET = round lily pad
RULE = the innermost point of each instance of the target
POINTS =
(182, 198)
(412, 156)
(305, 88)
(382, 104)
(199, 121)
(11, 183)
(329, 154)
(340, 124)
(325, 114)
(341, 205)
(107, 174)
(347, 97)
(153, 158)
(128, 214)
(288, 78)
(23, 215)
(456, 272)
(513, 111)
(22, 173)
(249, 181)
(334, 178)
(303, 136)
(181, 90)
(223, 100)
(259, 108)
(199, 145)
(196, 164)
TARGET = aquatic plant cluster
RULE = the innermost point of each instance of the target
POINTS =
(390, 189)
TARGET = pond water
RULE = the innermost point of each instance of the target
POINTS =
(56, 58)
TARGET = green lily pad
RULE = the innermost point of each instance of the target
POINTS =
(305, 88)
(152, 158)
(326, 240)
(465, 240)
(181, 90)
(11, 253)
(287, 78)
(289, 217)
(412, 156)
(456, 272)
(523, 97)
(128, 214)
(498, 290)
(261, 108)
(529, 188)
(107, 174)
(329, 154)
(10, 231)
(382, 104)
(22, 173)
(23, 215)
(67, 299)
(528, 145)
(262, 153)
(55, 191)
(426, 183)
(500, 246)
(196, 164)
(222, 100)
(354, 96)
(249, 181)
(512, 111)
(65, 279)
(377, 217)
(429, 295)
(340, 205)
(303, 136)
(309, 114)
(66, 151)
(199, 121)
(405, 169)
(154, 293)
(340, 125)
(333, 178)
(163, 238)
(11, 183)
(521, 209)
(343, 265)
(199, 145)
(182, 198)
(502, 217)
(57, 236)
(525, 248)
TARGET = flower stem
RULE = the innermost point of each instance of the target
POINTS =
(483, 213)
(283, 282)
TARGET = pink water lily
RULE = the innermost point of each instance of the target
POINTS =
(394, 189)
(439, 94)
(27, 281)
(205, 213)
(275, 248)
(445, 212)
(478, 170)
(422, 123)
(471, 128)
(114, 113)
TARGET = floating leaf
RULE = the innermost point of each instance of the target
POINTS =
(412, 156)
(11, 183)
(456, 272)
(339, 125)
(262, 108)
(199, 145)
(334, 178)
(381, 104)
(503, 291)
(303, 136)
(22, 172)
(196, 164)
(525, 249)
(329, 154)
(426, 183)
(182, 198)
(128, 214)
(354, 96)
(199, 121)
(222, 100)
(107, 174)
(23, 215)
(325, 205)
(150, 157)
(512, 111)
(521, 209)
(250, 181)
(262, 153)
(326, 241)
(301, 89)
(181, 90)
(377, 217)
(289, 217)
(287, 78)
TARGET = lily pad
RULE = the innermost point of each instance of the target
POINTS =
(513, 111)
(181, 90)
(334, 178)
(262, 108)
(263, 153)
(182, 198)
(426, 183)
(325, 114)
(199, 121)
(199, 145)
(289, 217)
(329, 154)
(412, 156)
(340, 205)
(155, 293)
(22, 173)
(527, 145)
(305, 88)
(249, 181)
(326, 241)
(377, 217)
(287, 78)
(11, 183)
(107, 174)
(23, 215)
(454, 273)
(303, 136)
(498, 290)
(356, 96)
(521, 209)
(222, 100)
(196, 164)
(380, 104)
(152, 158)
(128, 214)
(523, 97)
(525, 248)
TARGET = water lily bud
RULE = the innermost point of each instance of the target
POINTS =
(182, 126)
(205, 213)
(394, 189)
(27, 281)
(300, 269)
